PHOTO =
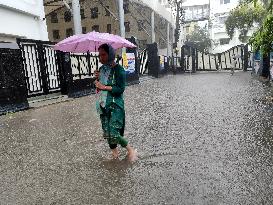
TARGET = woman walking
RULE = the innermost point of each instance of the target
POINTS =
(110, 86)
(233, 64)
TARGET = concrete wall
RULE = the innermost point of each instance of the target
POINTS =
(22, 18)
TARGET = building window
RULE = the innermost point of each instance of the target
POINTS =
(224, 41)
(127, 26)
(224, 1)
(96, 28)
(82, 14)
(107, 13)
(223, 19)
(54, 17)
(187, 30)
(67, 16)
(109, 28)
(126, 7)
(162, 24)
(56, 34)
(140, 25)
(94, 12)
(69, 32)
(84, 30)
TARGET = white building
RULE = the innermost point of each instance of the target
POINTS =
(166, 4)
(196, 10)
(23, 19)
(162, 8)
(219, 12)
(196, 14)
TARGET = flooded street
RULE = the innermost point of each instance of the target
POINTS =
(202, 139)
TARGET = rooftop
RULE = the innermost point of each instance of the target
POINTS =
(195, 2)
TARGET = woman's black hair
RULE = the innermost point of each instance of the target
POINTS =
(110, 51)
(105, 47)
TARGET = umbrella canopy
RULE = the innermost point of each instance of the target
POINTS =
(91, 41)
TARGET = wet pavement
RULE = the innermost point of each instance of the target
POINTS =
(202, 139)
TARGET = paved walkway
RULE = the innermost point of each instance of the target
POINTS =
(202, 139)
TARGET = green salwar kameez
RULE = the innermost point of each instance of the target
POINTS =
(110, 105)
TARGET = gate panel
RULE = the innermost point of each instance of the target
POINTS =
(206, 61)
(200, 62)
(41, 67)
(52, 69)
(83, 65)
(32, 69)
(143, 62)
(212, 62)
(13, 88)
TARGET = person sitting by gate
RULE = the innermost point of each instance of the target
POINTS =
(110, 84)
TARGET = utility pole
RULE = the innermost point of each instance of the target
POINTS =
(121, 18)
(77, 16)
(210, 26)
(153, 26)
(168, 39)
(121, 21)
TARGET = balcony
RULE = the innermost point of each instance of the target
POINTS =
(194, 16)
(163, 11)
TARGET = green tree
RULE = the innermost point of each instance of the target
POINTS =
(267, 3)
(263, 38)
(179, 18)
(200, 39)
(243, 18)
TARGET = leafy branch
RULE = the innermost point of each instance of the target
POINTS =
(243, 18)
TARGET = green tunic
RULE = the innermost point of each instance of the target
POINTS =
(112, 115)
(117, 80)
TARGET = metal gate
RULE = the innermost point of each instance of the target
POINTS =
(84, 65)
(143, 56)
(13, 92)
(194, 60)
(41, 67)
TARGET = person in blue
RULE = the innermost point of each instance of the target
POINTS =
(110, 86)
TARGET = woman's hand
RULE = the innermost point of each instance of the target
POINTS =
(99, 85)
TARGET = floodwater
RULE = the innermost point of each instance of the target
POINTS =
(202, 139)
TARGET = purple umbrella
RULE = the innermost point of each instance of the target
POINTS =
(90, 42)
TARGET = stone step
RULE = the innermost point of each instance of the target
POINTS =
(47, 100)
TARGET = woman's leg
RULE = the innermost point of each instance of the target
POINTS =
(117, 125)
(105, 118)
(105, 125)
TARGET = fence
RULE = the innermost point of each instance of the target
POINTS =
(143, 56)
(41, 67)
(194, 60)
(84, 65)
(13, 89)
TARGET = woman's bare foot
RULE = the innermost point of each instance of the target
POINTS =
(132, 154)
(115, 153)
